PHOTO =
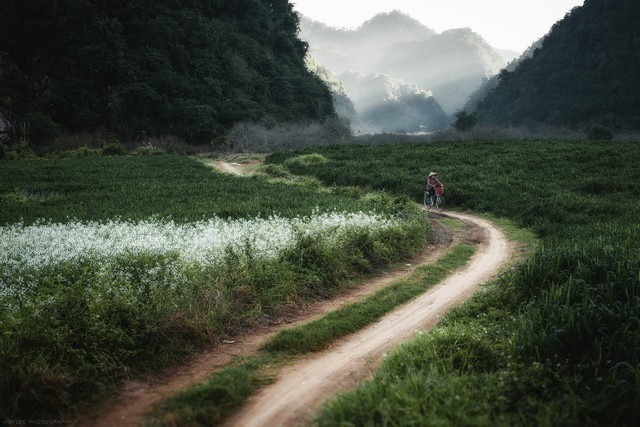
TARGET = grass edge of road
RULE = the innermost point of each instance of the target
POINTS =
(216, 400)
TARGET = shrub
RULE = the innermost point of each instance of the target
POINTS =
(148, 150)
(275, 171)
(80, 152)
(23, 150)
(465, 121)
(114, 148)
(306, 160)
(599, 132)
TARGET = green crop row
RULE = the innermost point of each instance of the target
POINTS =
(554, 342)
(110, 266)
(137, 188)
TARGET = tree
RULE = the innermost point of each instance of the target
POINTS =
(600, 133)
(584, 72)
(138, 68)
(465, 121)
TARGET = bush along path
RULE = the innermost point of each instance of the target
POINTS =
(136, 398)
(247, 363)
(302, 386)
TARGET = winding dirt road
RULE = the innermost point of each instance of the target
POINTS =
(291, 400)
(301, 387)
(137, 397)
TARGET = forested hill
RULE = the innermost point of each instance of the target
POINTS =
(187, 68)
(586, 73)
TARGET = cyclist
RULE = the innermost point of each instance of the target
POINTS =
(434, 185)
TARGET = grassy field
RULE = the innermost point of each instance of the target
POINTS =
(552, 186)
(137, 188)
(214, 401)
(113, 265)
(556, 341)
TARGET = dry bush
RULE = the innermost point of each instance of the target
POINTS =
(74, 141)
(268, 136)
(173, 145)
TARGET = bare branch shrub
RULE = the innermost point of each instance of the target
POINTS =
(174, 145)
(268, 136)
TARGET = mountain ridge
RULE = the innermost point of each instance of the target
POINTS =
(450, 65)
(585, 73)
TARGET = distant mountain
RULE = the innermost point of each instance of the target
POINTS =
(585, 73)
(342, 50)
(452, 65)
(342, 103)
(385, 104)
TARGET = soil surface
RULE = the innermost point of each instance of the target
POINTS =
(302, 386)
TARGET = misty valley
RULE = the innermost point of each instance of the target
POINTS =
(198, 197)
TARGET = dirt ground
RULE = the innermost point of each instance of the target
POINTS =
(301, 387)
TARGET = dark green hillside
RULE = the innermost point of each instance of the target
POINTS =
(585, 73)
(186, 68)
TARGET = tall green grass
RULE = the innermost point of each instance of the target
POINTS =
(562, 346)
(316, 335)
(197, 405)
(74, 328)
(137, 188)
(553, 342)
(553, 186)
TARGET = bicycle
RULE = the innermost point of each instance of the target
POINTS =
(429, 202)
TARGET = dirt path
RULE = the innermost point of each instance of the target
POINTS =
(302, 386)
(136, 398)
(291, 400)
(233, 168)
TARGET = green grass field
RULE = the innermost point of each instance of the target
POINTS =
(136, 188)
(552, 186)
(111, 266)
(556, 341)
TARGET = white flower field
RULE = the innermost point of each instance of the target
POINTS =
(28, 251)
(139, 261)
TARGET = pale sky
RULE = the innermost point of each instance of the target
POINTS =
(504, 24)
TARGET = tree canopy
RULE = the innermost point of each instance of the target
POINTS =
(135, 68)
(585, 73)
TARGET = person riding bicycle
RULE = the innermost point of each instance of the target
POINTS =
(434, 185)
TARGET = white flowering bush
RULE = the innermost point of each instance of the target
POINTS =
(86, 302)
(26, 251)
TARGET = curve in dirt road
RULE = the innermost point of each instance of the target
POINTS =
(136, 397)
(292, 399)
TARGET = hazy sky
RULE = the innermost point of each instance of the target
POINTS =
(504, 24)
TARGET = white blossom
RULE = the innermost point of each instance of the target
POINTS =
(25, 251)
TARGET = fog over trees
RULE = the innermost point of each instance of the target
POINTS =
(400, 74)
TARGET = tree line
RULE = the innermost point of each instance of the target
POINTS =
(585, 73)
(186, 68)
